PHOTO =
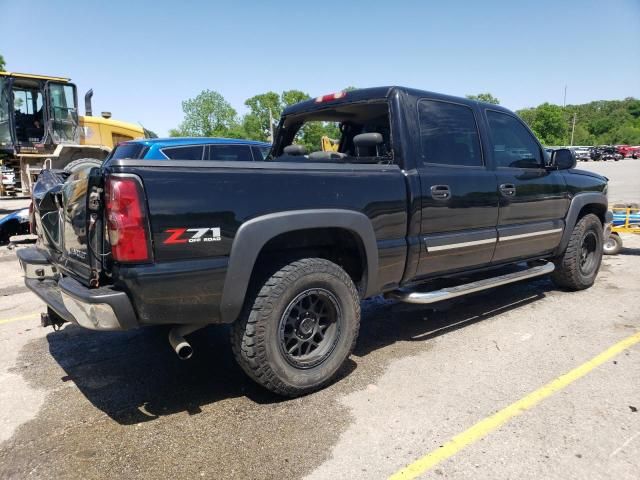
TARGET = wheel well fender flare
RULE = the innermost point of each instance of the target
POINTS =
(578, 202)
(254, 234)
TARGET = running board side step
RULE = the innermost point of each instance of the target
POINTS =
(459, 290)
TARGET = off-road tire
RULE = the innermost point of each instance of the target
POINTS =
(612, 245)
(81, 163)
(256, 335)
(568, 273)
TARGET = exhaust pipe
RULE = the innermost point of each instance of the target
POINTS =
(88, 110)
(183, 349)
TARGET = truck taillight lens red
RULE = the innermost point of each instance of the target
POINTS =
(330, 97)
(127, 220)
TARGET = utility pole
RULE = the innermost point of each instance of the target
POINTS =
(564, 101)
(270, 126)
(573, 128)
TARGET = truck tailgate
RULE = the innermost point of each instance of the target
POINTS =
(76, 252)
(60, 203)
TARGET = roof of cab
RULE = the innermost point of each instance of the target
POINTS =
(34, 76)
(173, 141)
(364, 94)
(351, 96)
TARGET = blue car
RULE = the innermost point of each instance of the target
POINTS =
(196, 148)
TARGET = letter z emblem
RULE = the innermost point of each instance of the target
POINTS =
(174, 236)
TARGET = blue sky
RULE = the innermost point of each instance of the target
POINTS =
(142, 58)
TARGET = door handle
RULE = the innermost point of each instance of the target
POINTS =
(440, 192)
(508, 189)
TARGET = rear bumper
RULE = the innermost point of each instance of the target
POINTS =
(94, 308)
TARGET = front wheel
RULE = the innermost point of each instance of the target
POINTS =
(577, 267)
(613, 244)
(299, 328)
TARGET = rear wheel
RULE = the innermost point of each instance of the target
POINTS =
(299, 328)
(577, 267)
(81, 163)
(613, 244)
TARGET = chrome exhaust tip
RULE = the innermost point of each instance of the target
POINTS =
(180, 345)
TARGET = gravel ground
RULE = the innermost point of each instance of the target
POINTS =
(81, 404)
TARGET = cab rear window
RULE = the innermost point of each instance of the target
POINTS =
(129, 150)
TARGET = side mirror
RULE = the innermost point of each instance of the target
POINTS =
(563, 159)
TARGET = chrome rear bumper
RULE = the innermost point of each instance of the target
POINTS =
(95, 308)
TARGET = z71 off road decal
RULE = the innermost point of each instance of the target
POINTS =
(192, 235)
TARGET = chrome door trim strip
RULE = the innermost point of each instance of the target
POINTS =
(526, 235)
(451, 246)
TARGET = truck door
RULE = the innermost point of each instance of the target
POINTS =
(533, 200)
(61, 108)
(459, 200)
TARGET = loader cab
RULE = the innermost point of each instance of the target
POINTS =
(36, 113)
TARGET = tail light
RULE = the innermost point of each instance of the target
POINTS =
(127, 220)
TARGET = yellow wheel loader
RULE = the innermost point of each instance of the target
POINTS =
(40, 127)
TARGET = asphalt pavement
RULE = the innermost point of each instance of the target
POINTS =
(82, 404)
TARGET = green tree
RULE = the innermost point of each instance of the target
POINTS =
(207, 115)
(626, 134)
(266, 106)
(311, 133)
(633, 107)
(291, 97)
(484, 97)
(262, 108)
(581, 136)
(548, 122)
(3, 65)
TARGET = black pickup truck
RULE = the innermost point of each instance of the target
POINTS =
(424, 189)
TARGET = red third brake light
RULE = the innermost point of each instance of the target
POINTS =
(126, 220)
(331, 96)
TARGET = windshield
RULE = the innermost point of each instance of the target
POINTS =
(335, 135)
(64, 113)
(5, 133)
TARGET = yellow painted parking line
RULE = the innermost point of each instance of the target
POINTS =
(495, 421)
(22, 317)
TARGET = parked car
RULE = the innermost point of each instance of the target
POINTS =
(7, 175)
(604, 153)
(15, 223)
(196, 148)
(7, 180)
(628, 151)
(583, 154)
(423, 187)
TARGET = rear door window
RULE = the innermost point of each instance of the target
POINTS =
(513, 145)
(129, 150)
(230, 153)
(448, 134)
(192, 152)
